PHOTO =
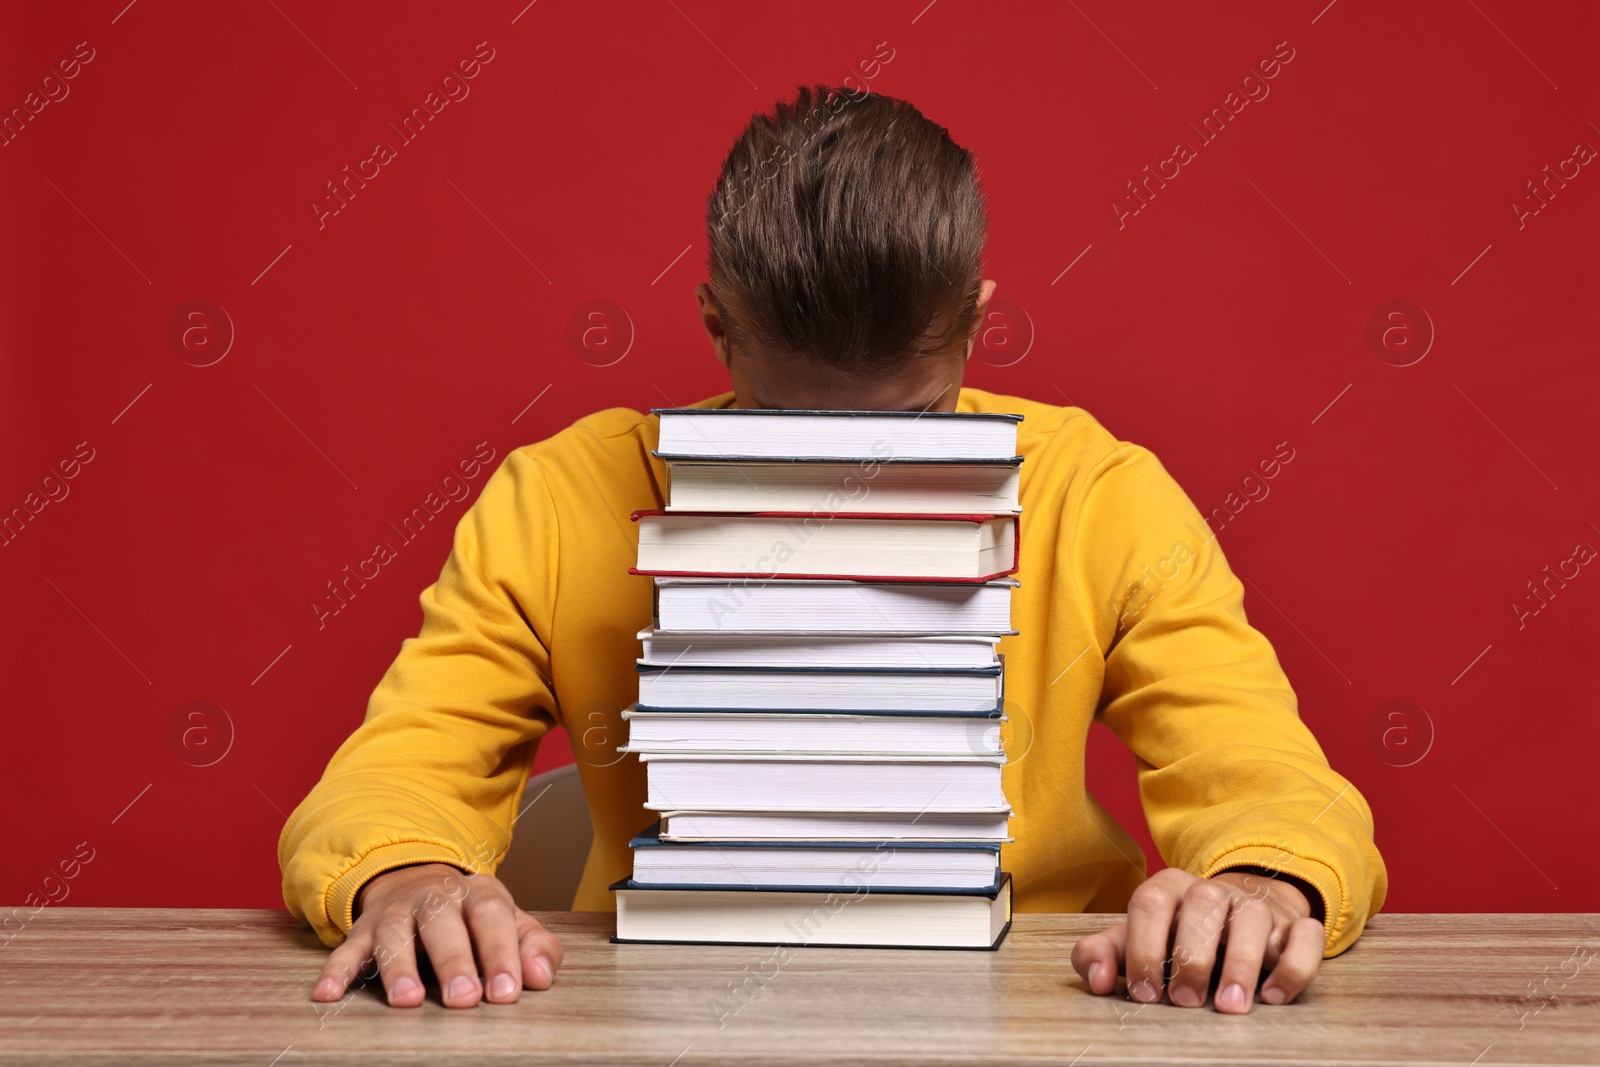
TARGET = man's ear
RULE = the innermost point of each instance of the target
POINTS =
(711, 319)
(986, 290)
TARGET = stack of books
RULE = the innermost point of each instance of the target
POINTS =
(820, 695)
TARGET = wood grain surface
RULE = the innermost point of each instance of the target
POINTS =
(178, 986)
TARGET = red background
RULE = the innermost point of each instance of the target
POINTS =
(374, 351)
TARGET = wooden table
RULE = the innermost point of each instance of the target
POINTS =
(163, 986)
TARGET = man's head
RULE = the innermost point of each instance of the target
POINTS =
(846, 234)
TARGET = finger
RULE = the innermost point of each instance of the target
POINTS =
(394, 949)
(541, 952)
(1151, 911)
(491, 920)
(1201, 917)
(1298, 962)
(343, 963)
(444, 937)
(1098, 958)
(1249, 927)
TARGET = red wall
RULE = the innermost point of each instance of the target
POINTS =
(375, 348)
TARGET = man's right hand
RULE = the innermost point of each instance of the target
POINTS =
(449, 913)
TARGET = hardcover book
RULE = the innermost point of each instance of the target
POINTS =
(819, 918)
(800, 435)
(881, 546)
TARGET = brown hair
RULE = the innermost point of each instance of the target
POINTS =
(849, 229)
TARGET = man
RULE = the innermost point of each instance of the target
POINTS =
(846, 234)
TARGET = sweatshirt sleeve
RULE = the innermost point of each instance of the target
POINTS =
(1229, 776)
(436, 770)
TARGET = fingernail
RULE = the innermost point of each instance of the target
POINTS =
(326, 988)
(460, 987)
(402, 986)
(542, 971)
(503, 986)
(1272, 995)
(1232, 995)
(1094, 972)
(1143, 990)
(1183, 996)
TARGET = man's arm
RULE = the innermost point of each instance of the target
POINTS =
(1229, 776)
(434, 773)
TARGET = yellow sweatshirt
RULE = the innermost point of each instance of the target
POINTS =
(1127, 614)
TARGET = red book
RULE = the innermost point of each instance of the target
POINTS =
(864, 545)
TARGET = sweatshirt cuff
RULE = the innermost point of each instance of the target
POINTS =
(1323, 877)
(341, 899)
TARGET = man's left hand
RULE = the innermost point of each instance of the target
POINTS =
(1248, 922)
